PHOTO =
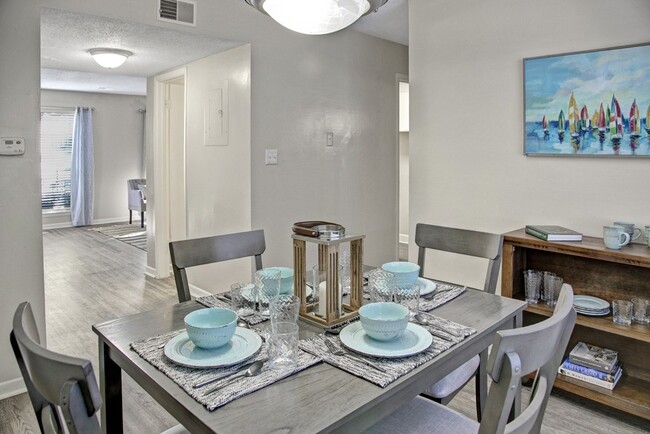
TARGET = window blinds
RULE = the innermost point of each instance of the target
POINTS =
(56, 150)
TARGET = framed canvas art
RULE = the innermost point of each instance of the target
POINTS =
(590, 103)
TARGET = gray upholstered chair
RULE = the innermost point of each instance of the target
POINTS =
(57, 384)
(537, 348)
(471, 243)
(137, 192)
(200, 251)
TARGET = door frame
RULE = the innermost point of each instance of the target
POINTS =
(159, 219)
(399, 78)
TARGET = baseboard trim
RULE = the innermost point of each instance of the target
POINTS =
(195, 291)
(62, 225)
(150, 272)
(12, 388)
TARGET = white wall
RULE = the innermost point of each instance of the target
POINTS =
(302, 86)
(467, 167)
(404, 184)
(117, 134)
(219, 177)
(21, 248)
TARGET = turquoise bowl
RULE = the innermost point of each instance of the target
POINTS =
(286, 279)
(404, 273)
(384, 321)
(211, 328)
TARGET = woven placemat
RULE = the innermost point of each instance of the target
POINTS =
(444, 293)
(152, 350)
(445, 335)
(219, 300)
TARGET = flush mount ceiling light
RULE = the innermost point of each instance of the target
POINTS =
(109, 57)
(316, 17)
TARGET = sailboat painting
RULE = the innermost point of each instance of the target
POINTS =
(605, 83)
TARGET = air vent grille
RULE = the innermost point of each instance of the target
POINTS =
(177, 11)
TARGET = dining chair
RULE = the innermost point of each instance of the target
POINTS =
(470, 243)
(57, 385)
(200, 251)
(517, 352)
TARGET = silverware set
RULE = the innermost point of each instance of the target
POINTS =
(232, 376)
(338, 351)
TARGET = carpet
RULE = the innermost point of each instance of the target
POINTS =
(130, 234)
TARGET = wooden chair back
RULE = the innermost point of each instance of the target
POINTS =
(537, 348)
(55, 382)
(200, 251)
(463, 242)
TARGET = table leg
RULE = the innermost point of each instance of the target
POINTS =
(110, 383)
(482, 384)
(515, 411)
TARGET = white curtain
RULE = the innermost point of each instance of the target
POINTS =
(82, 172)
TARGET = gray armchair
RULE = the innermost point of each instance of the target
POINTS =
(137, 189)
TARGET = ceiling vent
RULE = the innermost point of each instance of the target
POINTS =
(177, 11)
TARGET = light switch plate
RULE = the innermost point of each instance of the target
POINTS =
(12, 146)
(271, 157)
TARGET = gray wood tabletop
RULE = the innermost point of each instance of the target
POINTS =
(319, 399)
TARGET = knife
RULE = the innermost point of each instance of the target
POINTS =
(224, 376)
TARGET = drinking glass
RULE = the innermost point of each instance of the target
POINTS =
(379, 282)
(283, 346)
(242, 298)
(285, 308)
(267, 281)
(640, 310)
(622, 312)
(409, 296)
(552, 286)
(542, 289)
(532, 281)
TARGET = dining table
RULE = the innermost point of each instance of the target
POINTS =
(319, 399)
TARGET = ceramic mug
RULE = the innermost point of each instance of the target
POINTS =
(615, 237)
(630, 229)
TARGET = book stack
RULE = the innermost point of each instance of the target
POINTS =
(553, 233)
(594, 365)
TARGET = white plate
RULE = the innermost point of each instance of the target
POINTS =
(247, 293)
(244, 344)
(428, 286)
(593, 312)
(589, 302)
(415, 340)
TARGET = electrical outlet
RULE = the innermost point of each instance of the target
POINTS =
(330, 139)
(271, 157)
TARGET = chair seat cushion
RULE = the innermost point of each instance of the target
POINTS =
(424, 416)
(455, 380)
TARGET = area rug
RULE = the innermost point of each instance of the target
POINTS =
(130, 234)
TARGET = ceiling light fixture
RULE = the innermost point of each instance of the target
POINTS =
(109, 57)
(316, 17)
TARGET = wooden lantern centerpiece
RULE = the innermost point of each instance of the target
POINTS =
(335, 311)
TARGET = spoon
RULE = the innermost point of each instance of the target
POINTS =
(242, 323)
(422, 320)
(252, 371)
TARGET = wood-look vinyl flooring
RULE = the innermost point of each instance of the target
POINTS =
(90, 278)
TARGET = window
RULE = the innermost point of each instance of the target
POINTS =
(56, 156)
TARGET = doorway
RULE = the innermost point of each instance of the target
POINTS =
(403, 168)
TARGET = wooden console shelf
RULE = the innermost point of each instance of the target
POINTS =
(591, 269)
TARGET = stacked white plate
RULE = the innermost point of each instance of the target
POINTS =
(591, 306)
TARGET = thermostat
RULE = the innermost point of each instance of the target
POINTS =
(12, 146)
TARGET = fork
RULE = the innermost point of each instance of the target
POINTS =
(338, 351)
